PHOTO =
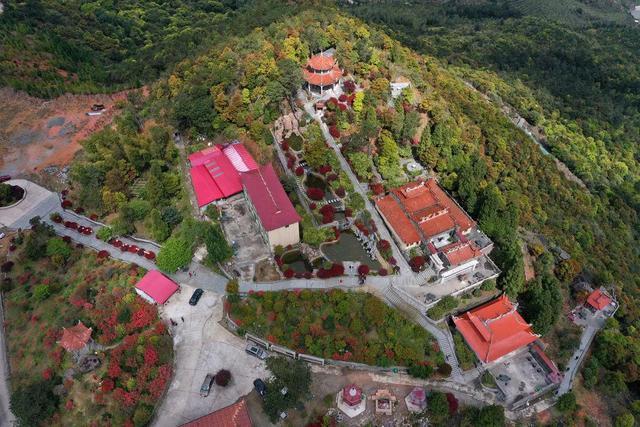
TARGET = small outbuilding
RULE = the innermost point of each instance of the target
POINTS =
(75, 338)
(599, 300)
(351, 401)
(385, 401)
(155, 287)
(416, 400)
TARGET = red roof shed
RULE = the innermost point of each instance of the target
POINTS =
(495, 329)
(155, 287)
(269, 199)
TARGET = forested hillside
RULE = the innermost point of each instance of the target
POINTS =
(218, 69)
(49, 47)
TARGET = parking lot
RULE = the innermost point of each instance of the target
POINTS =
(240, 225)
(202, 346)
(519, 376)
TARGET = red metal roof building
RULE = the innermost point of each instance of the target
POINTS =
(76, 337)
(495, 329)
(271, 205)
(321, 72)
(155, 287)
(599, 300)
(236, 415)
(215, 171)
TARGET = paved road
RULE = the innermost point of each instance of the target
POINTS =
(6, 417)
(577, 358)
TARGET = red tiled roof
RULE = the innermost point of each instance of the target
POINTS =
(598, 300)
(352, 394)
(157, 286)
(236, 415)
(269, 198)
(494, 329)
(215, 171)
(396, 218)
(76, 337)
(458, 253)
(322, 79)
(321, 62)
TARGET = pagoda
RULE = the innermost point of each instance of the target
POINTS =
(322, 73)
(351, 401)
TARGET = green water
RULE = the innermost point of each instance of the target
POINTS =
(348, 248)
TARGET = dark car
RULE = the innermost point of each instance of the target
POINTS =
(206, 385)
(4, 178)
(197, 294)
(260, 387)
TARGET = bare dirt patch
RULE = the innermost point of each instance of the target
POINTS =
(37, 133)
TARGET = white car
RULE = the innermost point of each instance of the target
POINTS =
(256, 351)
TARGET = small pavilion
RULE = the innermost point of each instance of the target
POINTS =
(351, 401)
(598, 300)
(322, 73)
(76, 338)
(385, 401)
(416, 400)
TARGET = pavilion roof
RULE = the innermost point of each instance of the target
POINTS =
(75, 337)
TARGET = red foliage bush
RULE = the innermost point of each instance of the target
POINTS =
(285, 146)
(348, 212)
(343, 98)
(299, 171)
(313, 206)
(384, 245)
(332, 177)
(340, 192)
(315, 193)
(66, 204)
(93, 217)
(66, 239)
(363, 269)
(103, 254)
(289, 273)
(453, 403)
(377, 188)
(382, 272)
(327, 209)
(47, 374)
(342, 107)
(308, 275)
(290, 163)
(107, 385)
(334, 131)
(349, 86)
(223, 377)
(324, 169)
(80, 210)
(149, 255)
(417, 262)
(392, 261)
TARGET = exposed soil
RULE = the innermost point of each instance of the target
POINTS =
(37, 133)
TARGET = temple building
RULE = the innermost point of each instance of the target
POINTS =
(76, 338)
(351, 401)
(269, 203)
(495, 329)
(322, 73)
(416, 401)
(421, 213)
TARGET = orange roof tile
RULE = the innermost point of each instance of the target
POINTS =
(321, 62)
(598, 300)
(236, 415)
(322, 79)
(402, 226)
(76, 337)
(494, 329)
(460, 253)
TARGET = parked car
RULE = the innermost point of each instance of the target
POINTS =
(205, 389)
(2, 235)
(256, 351)
(4, 178)
(197, 294)
(260, 387)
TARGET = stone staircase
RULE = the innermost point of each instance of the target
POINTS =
(398, 299)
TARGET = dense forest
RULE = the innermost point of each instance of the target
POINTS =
(575, 76)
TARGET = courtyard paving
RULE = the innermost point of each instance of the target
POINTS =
(202, 346)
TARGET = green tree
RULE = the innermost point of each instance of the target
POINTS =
(157, 228)
(567, 403)
(625, 420)
(218, 249)
(438, 408)
(175, 253)
(295, 375)
(34, 403)
(57, 246)
(104, 233)
(362, 165)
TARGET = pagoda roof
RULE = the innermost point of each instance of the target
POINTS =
(495, 329)
(236, 415)
(75, 337)
(352, 394)
(321, 62)
(322, 79)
